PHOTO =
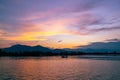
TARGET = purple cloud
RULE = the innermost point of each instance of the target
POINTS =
(113, 40)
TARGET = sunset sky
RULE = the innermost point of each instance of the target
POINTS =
(58, 23)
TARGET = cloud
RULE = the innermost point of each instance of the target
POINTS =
(87, 31)
(60, 8)
(59, 41)
(2, 32)
(64, 17)
(5, 43)
(105, 29)
(89, 23)
(74, 25)
(113, 40)
(39, 15)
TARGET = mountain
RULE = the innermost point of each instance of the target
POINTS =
(96, 47)
(25, 48)
(40, 48)
(101, 47)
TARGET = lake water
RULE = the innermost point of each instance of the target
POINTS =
(57, 68)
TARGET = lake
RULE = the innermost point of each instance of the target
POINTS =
(57, 68)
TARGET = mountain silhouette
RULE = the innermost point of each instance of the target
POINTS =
(25, 48)
(96, 47)
(101, 47)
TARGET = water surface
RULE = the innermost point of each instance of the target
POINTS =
(57, 68)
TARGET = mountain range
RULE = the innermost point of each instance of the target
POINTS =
(100, 47)
(25, 48)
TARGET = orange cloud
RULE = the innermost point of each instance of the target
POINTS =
(54, 26)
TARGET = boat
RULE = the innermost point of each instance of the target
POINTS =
(64, 56)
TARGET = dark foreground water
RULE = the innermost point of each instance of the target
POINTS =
(57, 68)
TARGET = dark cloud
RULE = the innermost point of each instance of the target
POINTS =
(59, 41)
(113, 40)
(105, 29)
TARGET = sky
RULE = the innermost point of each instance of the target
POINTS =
(58, 23)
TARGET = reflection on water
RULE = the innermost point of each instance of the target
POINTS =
(57, 68)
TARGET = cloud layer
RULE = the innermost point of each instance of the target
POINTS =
(30, 19)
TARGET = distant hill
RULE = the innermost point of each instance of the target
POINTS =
(101, 47)
(25, 48)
